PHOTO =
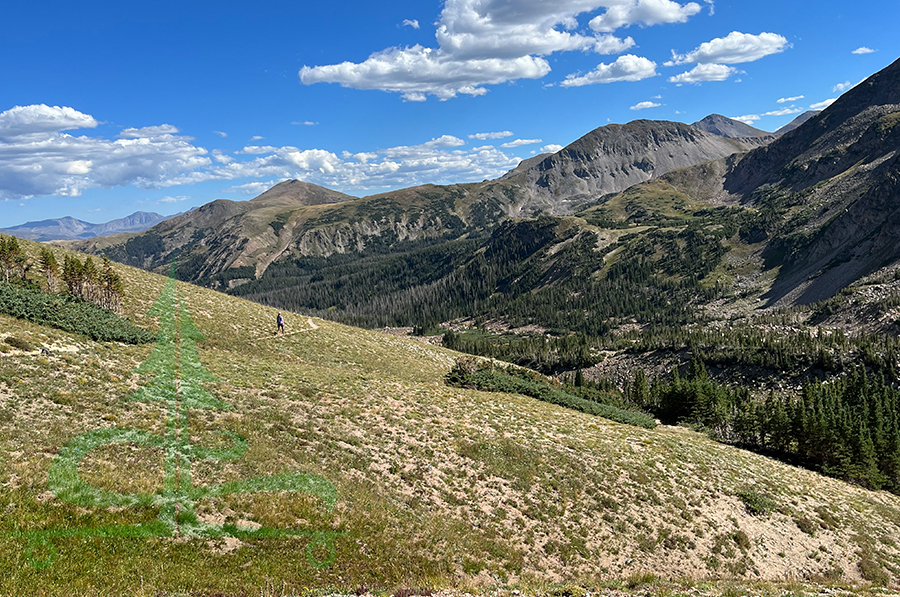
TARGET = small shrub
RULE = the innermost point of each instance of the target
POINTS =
(871, 570)
(568, 591)
(20, 343)
(757, 504)
(641, 579)
(742, 540)
(805, 525)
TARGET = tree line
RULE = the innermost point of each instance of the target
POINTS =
(85, 280)
(847, 426)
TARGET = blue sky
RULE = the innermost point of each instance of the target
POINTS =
(107, 108)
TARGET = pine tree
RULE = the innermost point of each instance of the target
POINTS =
(50, 269)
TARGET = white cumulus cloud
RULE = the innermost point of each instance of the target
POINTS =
(863, 50)
(41, 118)
(37, 158)
(495, 135)
(735, 48)
(551, 148)
(149, 132)
(488, 42)
(626, 68)
(418, 71)
(644, 105)
(705, 72)
(644, 12)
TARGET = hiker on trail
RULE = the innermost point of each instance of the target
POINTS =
(280, 321)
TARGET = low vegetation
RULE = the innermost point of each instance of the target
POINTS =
(435, 486)
(87, 305)
(481, 375)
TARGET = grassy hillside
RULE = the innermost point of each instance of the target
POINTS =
(431, 485)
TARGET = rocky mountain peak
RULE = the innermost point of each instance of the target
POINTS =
(728, 127)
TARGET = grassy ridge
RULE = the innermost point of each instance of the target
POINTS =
(436, 485)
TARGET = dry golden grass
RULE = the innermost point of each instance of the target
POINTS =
(436, 486)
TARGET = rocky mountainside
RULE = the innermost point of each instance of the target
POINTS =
(727, 127)
(614, 157)
(69, 228)
(792, 221)
(834, 182)
(296, 219)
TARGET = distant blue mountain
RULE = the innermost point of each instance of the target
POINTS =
(69, 228)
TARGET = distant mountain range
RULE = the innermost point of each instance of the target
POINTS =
(69, 228)
(800, 215)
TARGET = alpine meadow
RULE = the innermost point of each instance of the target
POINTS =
(653, 359)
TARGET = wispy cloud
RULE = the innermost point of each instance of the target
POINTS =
(520, 143)
(304, 123)
(842, 87)
(411, 23)
(252, 188)
(496, 135)
(221, 134)
(785, 100)
(169, 199)
(751, 118)
(823, 104)
(644, 105)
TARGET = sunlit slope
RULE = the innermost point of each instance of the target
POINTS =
(434, 485)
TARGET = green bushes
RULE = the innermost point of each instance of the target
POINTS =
(19, 343)
(757, 504)
(467, 373)
(70, 314)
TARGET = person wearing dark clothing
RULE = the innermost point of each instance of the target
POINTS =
(280, 321)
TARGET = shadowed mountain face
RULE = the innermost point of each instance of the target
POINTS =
(69, 228)
(834, 181)
(797, 122)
